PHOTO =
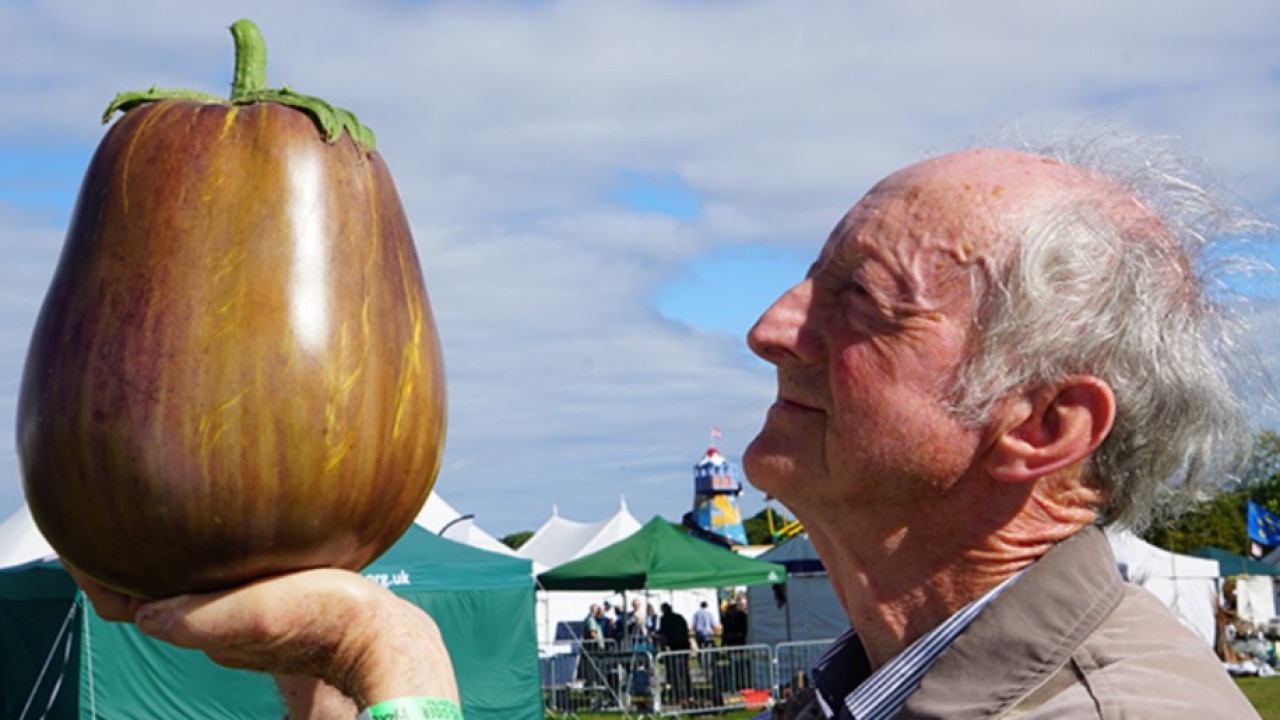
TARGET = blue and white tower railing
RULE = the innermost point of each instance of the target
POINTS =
(715, 499)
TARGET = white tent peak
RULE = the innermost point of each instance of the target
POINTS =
(560, 540)
(441, 518)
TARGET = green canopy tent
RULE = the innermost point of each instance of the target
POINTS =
(660, 557)
(1230, 563)
(55, 656)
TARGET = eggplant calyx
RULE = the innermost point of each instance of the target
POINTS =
(330, 119)
(128, 100)
(249, 85)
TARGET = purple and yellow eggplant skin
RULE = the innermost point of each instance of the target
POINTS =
(235, 372)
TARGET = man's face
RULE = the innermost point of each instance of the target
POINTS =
(867, 345)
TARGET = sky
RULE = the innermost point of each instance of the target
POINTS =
(605, 195)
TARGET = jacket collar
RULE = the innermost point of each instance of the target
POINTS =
(1024, 636)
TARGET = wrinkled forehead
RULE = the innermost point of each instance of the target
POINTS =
(965, 205)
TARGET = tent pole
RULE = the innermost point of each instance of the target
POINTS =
(787, 605)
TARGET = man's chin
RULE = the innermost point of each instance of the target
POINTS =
(770, 466)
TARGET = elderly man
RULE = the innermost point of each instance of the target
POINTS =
(994, 353)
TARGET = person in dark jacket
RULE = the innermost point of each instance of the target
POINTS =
(734, 623)
(673, 637)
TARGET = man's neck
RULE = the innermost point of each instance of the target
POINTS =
(898, 579)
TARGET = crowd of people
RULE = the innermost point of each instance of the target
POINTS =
(612, 626)
(608, 628)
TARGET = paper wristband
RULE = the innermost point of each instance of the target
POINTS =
(413, 708)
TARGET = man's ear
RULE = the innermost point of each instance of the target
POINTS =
(1053, 428)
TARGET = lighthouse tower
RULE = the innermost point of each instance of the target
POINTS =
(715, 498)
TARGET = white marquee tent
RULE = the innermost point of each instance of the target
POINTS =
(440, 518)
(21, 541)
(560, 540)
(1187, 585)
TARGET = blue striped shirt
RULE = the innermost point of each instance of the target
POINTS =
(882, 694)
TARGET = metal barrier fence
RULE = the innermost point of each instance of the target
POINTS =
(640, 683)
(597, 680)
(792, 663)
(713, 680)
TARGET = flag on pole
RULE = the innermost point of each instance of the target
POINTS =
(715, 433)
(1264, 526)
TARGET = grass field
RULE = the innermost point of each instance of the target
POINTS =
(1264, 693)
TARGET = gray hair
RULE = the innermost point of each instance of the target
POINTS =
(1090, 292)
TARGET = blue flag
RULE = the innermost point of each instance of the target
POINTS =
(1264, 526)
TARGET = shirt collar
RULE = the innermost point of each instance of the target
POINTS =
(843, 675)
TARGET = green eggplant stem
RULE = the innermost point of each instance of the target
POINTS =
(251, 60)
(249, 85)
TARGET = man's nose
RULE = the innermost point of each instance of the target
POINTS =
(782, 334)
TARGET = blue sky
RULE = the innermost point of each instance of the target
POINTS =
(42, 179)
(606, 195)
(726, 290)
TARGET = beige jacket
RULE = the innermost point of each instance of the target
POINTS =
(1070, 639)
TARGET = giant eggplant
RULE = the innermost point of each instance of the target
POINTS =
(235, 371)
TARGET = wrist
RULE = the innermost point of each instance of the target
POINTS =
(413, 708)
(313, 699)
(399, 654)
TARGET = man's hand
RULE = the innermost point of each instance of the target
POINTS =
(328, 624)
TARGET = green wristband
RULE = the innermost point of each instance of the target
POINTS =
(413, 708)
